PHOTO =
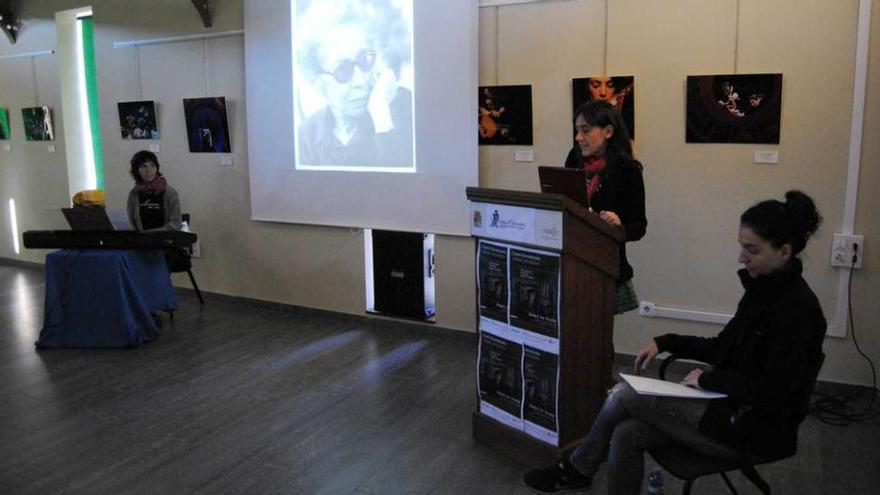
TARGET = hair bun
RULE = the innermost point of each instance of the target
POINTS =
(803, 211)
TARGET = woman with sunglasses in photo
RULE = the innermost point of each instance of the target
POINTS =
(615, 185)
(353, 56)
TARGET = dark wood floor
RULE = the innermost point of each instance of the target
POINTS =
(235, 398)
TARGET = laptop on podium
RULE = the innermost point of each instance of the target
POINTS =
(571, 182)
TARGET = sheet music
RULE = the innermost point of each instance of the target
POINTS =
(652, 386)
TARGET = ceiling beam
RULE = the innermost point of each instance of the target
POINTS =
(204, 11)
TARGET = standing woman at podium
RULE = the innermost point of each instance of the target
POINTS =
(614, 182)
(152, 203)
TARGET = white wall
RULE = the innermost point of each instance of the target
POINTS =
(695, 192)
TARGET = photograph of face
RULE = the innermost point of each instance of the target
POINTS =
(617, 90)
(505, 115)
(206, 126)
(38, 124)
(4, 124)
(353, 84)
(734, 108)
(137, 120)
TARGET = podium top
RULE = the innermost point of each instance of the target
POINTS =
(543, 201)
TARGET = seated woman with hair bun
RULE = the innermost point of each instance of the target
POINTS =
(762, 360)
(152, 203)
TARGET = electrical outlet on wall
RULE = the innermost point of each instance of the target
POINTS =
(844, 247)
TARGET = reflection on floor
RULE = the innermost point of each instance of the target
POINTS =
(234, 398)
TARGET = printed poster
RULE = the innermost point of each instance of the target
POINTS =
(534, 291)
(492, 284)
(499, 379)
(540, 400)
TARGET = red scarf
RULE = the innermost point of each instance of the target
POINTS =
(153, 188)
(593, 165)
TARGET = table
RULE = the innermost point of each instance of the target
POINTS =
(104, 297)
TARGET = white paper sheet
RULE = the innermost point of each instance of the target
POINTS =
(652, 386)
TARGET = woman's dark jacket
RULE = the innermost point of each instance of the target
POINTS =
(765, 360)
(622, 191)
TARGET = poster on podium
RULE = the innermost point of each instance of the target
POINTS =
(493, 287)
(541, 396)
(534, 296)
(499, 379)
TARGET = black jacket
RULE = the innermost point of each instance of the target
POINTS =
(622, 191)
(762, 360)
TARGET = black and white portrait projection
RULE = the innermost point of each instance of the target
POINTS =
(137, 120)
(505, 115)
(38, 124)
(353, 97)
(206, 125)
(617, 90)
(4, 124)
(360, 113)
(736, 108)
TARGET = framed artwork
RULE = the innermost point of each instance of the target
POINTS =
(207, 128)
(617, 90)
(38, 124)
(137, 120)
(4, 124)
(734, 108)
(505, 115)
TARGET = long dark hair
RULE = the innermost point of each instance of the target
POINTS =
(139, 158)
(618, 148)
(791, 222)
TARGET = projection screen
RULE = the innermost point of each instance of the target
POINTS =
(361, 113)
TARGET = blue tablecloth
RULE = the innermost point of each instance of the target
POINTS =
(104, 297)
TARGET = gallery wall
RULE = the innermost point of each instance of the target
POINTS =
(695, 193)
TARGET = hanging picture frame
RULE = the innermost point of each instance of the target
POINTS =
(734, 108)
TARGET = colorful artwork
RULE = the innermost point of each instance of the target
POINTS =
(617, 90)
(206, 126)
(505, 115)
(734, 108)
(4, 124)
(137, 120)
(38, 124)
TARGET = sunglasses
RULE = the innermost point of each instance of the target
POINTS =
(345, 70)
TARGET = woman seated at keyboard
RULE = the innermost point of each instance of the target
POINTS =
(152, 203)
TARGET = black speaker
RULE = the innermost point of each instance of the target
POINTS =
(403, 273)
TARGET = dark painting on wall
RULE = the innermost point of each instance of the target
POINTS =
(38, 124)
(206, 126)
(4, 124)
(617, 90)
(734, 108)
(505, 115)
(137, 120)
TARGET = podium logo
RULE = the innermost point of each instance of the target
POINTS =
(553, 233)
(502, 224)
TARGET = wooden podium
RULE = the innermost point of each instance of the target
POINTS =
(522, 237)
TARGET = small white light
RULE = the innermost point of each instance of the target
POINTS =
(14, 224)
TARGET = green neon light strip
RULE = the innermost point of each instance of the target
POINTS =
(88, 44)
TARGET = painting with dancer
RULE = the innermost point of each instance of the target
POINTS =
(734, 108)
